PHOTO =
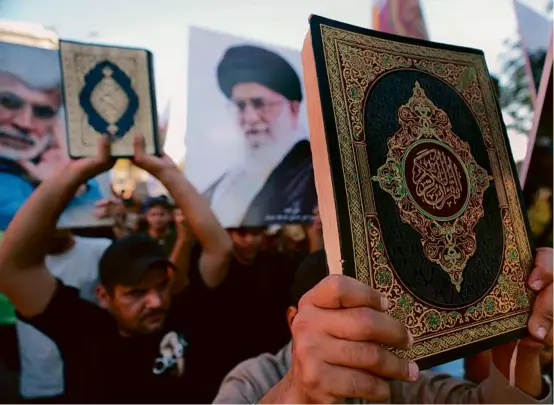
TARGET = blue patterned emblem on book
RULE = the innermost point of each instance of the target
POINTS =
(109, 100)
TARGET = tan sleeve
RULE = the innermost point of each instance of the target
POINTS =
(444, 389)
(248, 382)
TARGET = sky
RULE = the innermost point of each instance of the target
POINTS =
(162, 26)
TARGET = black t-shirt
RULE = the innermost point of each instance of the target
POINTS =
(101, 366)
(242, 318)
(167, 242)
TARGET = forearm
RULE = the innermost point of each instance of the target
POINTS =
(180, 257)
(203, 223)
(440, 388)
(25, 242)
(527, 373)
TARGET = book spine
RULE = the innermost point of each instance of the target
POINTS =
(158, 147)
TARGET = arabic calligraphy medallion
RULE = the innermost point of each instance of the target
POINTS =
(109, 100)
(436, 183)
(436, 179)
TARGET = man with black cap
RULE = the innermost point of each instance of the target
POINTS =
(141, 348)
(274, 183)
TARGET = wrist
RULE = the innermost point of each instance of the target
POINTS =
(285, 392)
(168, 174)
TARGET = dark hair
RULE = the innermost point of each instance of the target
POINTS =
(127, 260)
(161, 201)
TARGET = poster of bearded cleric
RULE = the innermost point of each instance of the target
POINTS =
(247, 147)
(32, 134)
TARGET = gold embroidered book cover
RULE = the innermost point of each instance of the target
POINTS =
(108, 91)
(417, 187)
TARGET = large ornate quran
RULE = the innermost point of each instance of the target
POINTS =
(415, 176)
(108, 91)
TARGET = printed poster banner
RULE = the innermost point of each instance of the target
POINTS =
(32, 134)
(247, 147)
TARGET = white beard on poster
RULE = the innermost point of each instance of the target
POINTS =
(237, 190)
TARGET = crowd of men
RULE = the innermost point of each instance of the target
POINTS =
(176, 306)
(229, 288)
(182, 310)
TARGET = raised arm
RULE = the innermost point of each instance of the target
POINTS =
(24, 278)
(216, 243)
(180, 255)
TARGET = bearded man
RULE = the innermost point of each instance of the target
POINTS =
(32, 131)
(275, 182)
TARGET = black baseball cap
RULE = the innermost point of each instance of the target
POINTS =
(159, 201)
(127, 260)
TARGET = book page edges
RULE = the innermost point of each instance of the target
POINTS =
(320, 159)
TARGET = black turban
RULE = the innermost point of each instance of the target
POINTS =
(243, 64)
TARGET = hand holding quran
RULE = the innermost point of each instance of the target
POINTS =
(155, 165)
(342, 325)
(88, 167)
(540, 321)
(338, 335)
(420, 203)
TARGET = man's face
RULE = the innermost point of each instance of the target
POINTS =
(141, 308)
(27, 117)
(247, 243)
(263, 114)
(158, 218)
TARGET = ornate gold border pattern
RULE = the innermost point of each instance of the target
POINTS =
(354, 62)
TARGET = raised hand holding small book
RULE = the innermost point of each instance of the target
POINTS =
(108, 91)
